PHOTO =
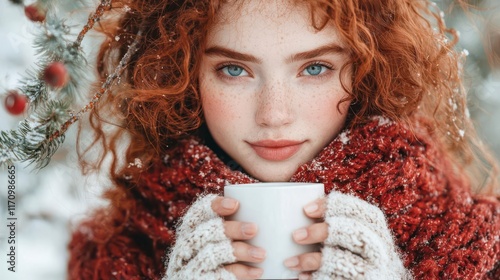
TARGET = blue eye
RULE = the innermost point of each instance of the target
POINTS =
(233, 70)
(314, 70)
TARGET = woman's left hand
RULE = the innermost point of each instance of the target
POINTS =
(313, 234)
(356, 242)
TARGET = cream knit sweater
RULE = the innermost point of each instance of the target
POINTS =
(359, 244)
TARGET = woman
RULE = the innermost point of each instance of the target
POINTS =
(363, 96)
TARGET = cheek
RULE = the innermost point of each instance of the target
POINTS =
(324, 120)
(213, 106)
(323, 107)
(219, 108)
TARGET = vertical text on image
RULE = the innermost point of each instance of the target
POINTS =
(11, 218)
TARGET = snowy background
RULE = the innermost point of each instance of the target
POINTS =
(51, 201)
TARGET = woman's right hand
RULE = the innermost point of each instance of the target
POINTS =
(209, 247)
(239, 232)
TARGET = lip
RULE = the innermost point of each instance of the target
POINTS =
(276, 150)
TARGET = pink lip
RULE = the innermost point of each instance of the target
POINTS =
(276, 150)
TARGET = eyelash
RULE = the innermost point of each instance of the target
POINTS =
(328, 66)
(218, 69)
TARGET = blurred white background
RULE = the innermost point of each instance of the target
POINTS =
(49, 202)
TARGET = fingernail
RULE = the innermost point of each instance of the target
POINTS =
(255, 272)
(229, 203)
(311, 207)
(257, 253)
(292, 262)
(300, 234)
(248, 229)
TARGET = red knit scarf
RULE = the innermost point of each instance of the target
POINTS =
(442, 231)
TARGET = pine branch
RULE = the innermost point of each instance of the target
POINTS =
(105, 87)
(39, 136)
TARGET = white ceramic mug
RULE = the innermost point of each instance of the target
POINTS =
(277, 209)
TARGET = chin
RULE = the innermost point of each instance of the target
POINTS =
(269, 176)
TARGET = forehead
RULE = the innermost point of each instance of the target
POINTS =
(233, 9)
(241, 24)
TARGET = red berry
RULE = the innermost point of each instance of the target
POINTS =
(35, 12)
(56, 75)
(15, 103)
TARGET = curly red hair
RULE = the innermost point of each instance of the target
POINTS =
(405, 67)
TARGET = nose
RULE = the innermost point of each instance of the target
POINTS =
(274, 105)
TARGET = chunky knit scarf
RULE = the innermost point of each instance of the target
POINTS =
(442, 230)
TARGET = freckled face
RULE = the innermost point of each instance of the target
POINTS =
(270, 86)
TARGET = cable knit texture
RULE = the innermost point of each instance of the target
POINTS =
(201, 248)
(441, 229)
(359, 243)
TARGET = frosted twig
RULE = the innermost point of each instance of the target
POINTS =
(105, 87)
(35, 139)
(93, 18)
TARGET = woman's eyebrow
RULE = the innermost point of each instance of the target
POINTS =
(221, 51)
(326, 49)
(322, 50)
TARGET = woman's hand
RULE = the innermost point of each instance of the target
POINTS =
(238, 232)
(315, 233)
(356, 242)
(208, 247)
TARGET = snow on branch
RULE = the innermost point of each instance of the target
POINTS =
(52, 87)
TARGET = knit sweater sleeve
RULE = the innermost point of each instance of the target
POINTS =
(442, 230)
(359, 243)
(201, 248)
